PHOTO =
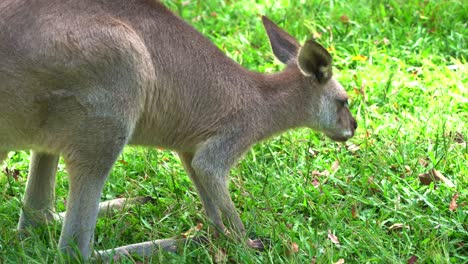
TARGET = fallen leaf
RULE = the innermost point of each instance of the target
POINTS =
(459, 138)
(353, 212)
(440, 176)
(344, 19)
(386, 41)
(320, 173)
(317, 35)
(312, 152)
(220, 256)
(333, 238)
(412, 260)
(394, 167)
(398, 226)
(123, 162)
(433, 176)
(15, 174)
(192, 230)
(407, 168)
(12, 173)
(315, 183)
(426, 178)
(335, 166)
(340, 261)
(423, 162)
(294, 248)
(453, 203)
(352, 147)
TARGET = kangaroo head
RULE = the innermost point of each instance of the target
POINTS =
(326, 105)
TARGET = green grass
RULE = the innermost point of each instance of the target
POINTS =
(404, 66)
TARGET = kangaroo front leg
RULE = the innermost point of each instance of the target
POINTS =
(211, 164)
(38, 201)
(209, 205)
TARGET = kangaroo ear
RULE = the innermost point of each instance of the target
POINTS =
(284, 46)
(315, 60)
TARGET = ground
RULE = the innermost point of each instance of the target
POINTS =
(371, 200)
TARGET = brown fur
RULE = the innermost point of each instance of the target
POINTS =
(83, 78)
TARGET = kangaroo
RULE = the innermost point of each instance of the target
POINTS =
(83, 78)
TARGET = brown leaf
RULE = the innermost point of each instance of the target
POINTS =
(459, 138)
(123, 162)
(344, 19)
(423, 162)
(15, 174)
(453, 203)
(412, 260)
(335, 166)
(220, 256)
(315, 183)
(192, 230)
(12, 173)
(353, 212)
(434, 176)
(332, 237)
(426, 178)
(294, 248)
(340, 261)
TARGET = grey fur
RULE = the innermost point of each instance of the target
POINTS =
(81, 79)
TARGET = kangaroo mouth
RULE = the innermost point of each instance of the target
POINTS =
(340, 138)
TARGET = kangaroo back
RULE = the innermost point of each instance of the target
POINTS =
(81, 79)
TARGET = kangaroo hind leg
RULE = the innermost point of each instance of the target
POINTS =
(88, 162)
